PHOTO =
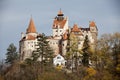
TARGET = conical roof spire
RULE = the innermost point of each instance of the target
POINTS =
(75, 28)
(31, 28)
(92, 24)
(60, 13)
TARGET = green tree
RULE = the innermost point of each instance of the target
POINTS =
(86, 54)
(12, 54)
(43, 53)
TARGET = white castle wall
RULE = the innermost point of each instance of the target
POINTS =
(27, 47)
(60, 31)
(54, 44)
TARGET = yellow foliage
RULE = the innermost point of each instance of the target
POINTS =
(59, 67)
(1, 78)
(118, 68)
(91, 71)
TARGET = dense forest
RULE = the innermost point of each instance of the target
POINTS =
(102, 63)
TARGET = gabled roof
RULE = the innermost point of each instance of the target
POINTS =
(57, 23)
(31, 28)
(92, 24)
(75, 28)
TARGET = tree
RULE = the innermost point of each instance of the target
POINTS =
(86, 53)
(43, 53)
(73, 51)
(107, 50)
(12, 54)
(41, 58)
(116, 53)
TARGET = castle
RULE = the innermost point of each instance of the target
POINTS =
(59, 39)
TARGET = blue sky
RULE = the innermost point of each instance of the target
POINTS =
(15, 16)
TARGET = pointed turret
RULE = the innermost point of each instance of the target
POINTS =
(92, 24)
(60, 13)
(93, 30)
(60, 16)
(93, 27)
(75, 28)
(31, 28)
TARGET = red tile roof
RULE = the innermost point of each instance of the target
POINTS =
(30, 37)
(60, 23)
(65, 36)
(92, 24)
(75, 28)
(31, 28)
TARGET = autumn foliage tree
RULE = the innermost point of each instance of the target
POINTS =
(106, 58)
(73, 51)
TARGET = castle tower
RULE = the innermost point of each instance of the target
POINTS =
(93, 30)
(59, 28)
(28, 41)
(78, 33)
(60, 24)
(31, 30)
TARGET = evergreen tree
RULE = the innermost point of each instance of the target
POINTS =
(11, 54)
(43, 53)
(85, 50)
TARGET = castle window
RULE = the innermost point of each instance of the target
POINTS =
(76, 32)
(63, 44)
(79, 42)
(92, 29)
(60, 30)
(53, 43)
(56, 30)
(58, 57)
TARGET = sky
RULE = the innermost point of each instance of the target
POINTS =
(15, 16)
